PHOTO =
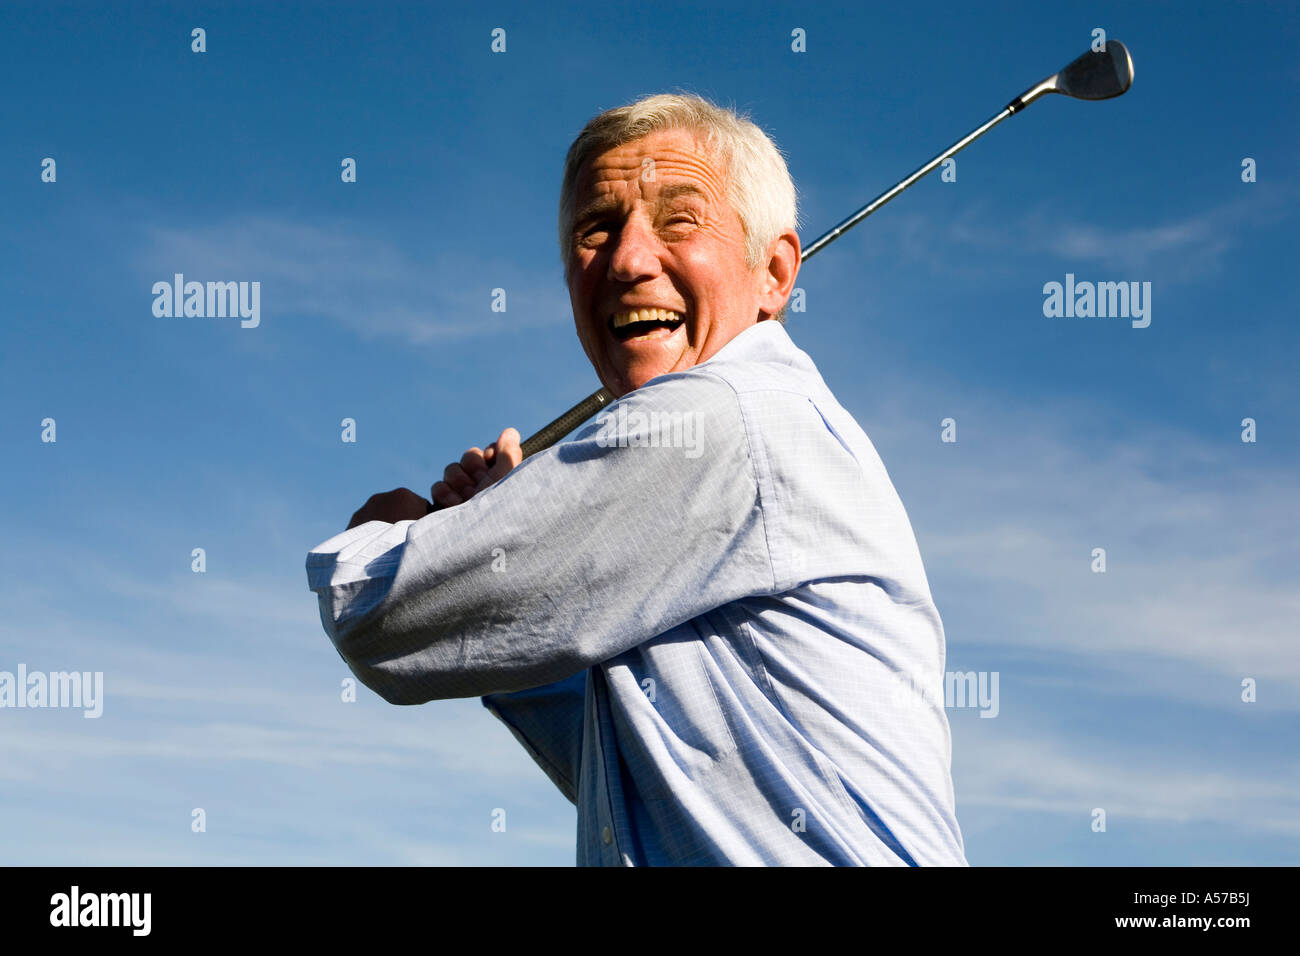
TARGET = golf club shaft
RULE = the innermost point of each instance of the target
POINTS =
(594, 402)
(899, 186)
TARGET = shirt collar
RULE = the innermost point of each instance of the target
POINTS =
(762, 340)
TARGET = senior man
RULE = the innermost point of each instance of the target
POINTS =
(704, 616)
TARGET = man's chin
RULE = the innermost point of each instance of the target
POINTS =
(618, 386)
(630, 364)
(629, 379)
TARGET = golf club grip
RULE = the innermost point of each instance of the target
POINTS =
(566, 423)
(557, 429)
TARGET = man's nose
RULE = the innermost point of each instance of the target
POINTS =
(636, 253)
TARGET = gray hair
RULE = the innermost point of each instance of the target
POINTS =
(758, 181)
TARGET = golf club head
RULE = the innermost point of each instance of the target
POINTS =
(1093, 76)
(1098, 76)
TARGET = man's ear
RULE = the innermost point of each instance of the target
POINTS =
(777, 280)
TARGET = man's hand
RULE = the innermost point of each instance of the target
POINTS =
(477, 469)
(393, 506)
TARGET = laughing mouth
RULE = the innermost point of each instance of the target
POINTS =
(644, 323)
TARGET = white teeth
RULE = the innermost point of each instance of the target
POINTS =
(645, 315)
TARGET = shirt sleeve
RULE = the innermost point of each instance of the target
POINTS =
(649, 517)
(548, 722)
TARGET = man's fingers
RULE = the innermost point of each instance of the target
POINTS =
(443, 495)
(506, 454)
(510, 444)
(400, 504)
(459, 481)
(473, 464)
(477, 469)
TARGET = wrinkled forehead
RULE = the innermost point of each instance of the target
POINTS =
(664, 163)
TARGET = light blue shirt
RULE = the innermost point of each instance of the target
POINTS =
(705, 617)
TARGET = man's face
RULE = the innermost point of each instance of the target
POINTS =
(657, 273)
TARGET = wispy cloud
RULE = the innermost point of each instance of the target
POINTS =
(1201, 562)
(367, 283)
(978, 237)
(199, 711)
(1055, 776)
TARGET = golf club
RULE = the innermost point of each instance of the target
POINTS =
(1096, 75)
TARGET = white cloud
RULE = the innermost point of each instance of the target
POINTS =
(364, 282)
(1201, 562)
(978, 237)
(1056, 776)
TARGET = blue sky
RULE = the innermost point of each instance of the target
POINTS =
(1119, 690)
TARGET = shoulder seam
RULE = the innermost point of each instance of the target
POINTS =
(753, 466)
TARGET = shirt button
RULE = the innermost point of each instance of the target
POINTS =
(607, 835)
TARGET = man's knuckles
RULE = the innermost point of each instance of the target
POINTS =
(400, 504)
